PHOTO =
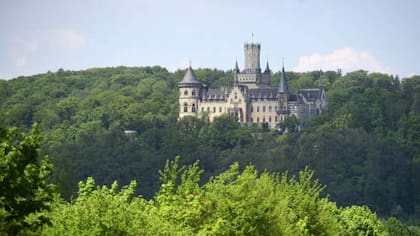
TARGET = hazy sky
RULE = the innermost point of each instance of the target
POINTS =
(375, 35)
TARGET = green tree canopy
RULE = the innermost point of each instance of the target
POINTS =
(24, 188)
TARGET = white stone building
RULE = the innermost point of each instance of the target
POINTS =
(251, 99)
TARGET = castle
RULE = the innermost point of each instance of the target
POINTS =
(251, 99)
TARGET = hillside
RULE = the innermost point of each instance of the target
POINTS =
(366, 150)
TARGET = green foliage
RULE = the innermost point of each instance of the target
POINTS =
(96, 211)
(394, 227)
(24, 189)
(220, 133)
(365, 148)
(358, 220)
(232, 203)
(290, 123)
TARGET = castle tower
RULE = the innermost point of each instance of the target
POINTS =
(236, 72)
(252, 57)
(283, 95)
(252, 76)
(189, 94)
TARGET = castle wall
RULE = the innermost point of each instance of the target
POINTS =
(212, 109)
(264, 111)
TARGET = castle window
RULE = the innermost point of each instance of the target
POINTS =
(275, 118)
(258, 109)
(275, 108)
(269, 108)
(185, 107)
(202, 109)
(208, 109)
(220, 109)
(186, 92)
(240, 100)
(258, 119)
(193, 107)
(252, 120)
(252, 109)
(214, 109)
(264, 119)
(269, 119)
(193, 93)
(263, 108)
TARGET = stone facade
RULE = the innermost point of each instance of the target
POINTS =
(251, 99)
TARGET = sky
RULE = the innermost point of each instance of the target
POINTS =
(37, 36)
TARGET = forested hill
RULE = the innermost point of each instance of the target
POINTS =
(366, 150)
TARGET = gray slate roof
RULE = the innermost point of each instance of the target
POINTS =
(293, 98)
(283, 88)
(189, 79)
(214, 94)
(263, 93)
(310, 94)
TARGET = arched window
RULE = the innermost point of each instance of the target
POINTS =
(263, 108)
(214, 109)
(258, 119)
(185, 107)
(269, 109)
(193, 92)
(193, 107)
(220, 109)
(186, 92)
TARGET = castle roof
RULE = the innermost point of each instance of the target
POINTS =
(310, 94)
(283, 88)
(214, 94)
(293, 98)
(263, 93)
(190, 79)
(267, 68)
(236, 67)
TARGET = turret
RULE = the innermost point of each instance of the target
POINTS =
(189, 94)
(236, 73)
(267, 69)
(283, 87)
(283, 94)
(236, 70)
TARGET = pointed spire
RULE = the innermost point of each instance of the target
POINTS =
(236, 66)
(267, 68)
(283, 88)
(189, 79)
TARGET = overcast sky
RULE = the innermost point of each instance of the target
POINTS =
(375, 35)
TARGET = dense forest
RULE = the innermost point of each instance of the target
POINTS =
(364, 151)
